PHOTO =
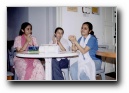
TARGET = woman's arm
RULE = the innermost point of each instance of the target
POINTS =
(18, 46)
(74, 48)
(72, 38)
(81, 49)
(23, 48)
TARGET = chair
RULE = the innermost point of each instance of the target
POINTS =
(65, 73)
(102, 73)
(10, 55)
(102, 70)
(9, 75)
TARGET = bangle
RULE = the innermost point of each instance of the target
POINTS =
(27, 43)
(22, 49)
(73, 43)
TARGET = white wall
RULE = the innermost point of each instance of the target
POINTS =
(43, 20)
(72, 22)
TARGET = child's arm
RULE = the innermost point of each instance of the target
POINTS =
(61, 46)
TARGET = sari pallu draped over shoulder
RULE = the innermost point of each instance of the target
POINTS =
(29, 61)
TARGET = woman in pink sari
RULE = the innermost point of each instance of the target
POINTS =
(27, 68)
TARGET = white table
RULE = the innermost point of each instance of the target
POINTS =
(48, 57)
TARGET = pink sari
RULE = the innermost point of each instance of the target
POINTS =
(29, 61)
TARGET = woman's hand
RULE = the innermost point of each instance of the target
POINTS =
(72, 38)
(29, 39)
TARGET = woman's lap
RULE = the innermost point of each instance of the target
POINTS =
(98, 64)
(74, 69)
(20, 68)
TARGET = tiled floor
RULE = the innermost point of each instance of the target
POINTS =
(107, 78)
(110, 78)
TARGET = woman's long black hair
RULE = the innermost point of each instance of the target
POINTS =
(90, 28)
(23, 26)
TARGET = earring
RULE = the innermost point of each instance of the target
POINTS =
(22, 30)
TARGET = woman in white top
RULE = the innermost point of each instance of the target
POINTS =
(59, 63)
